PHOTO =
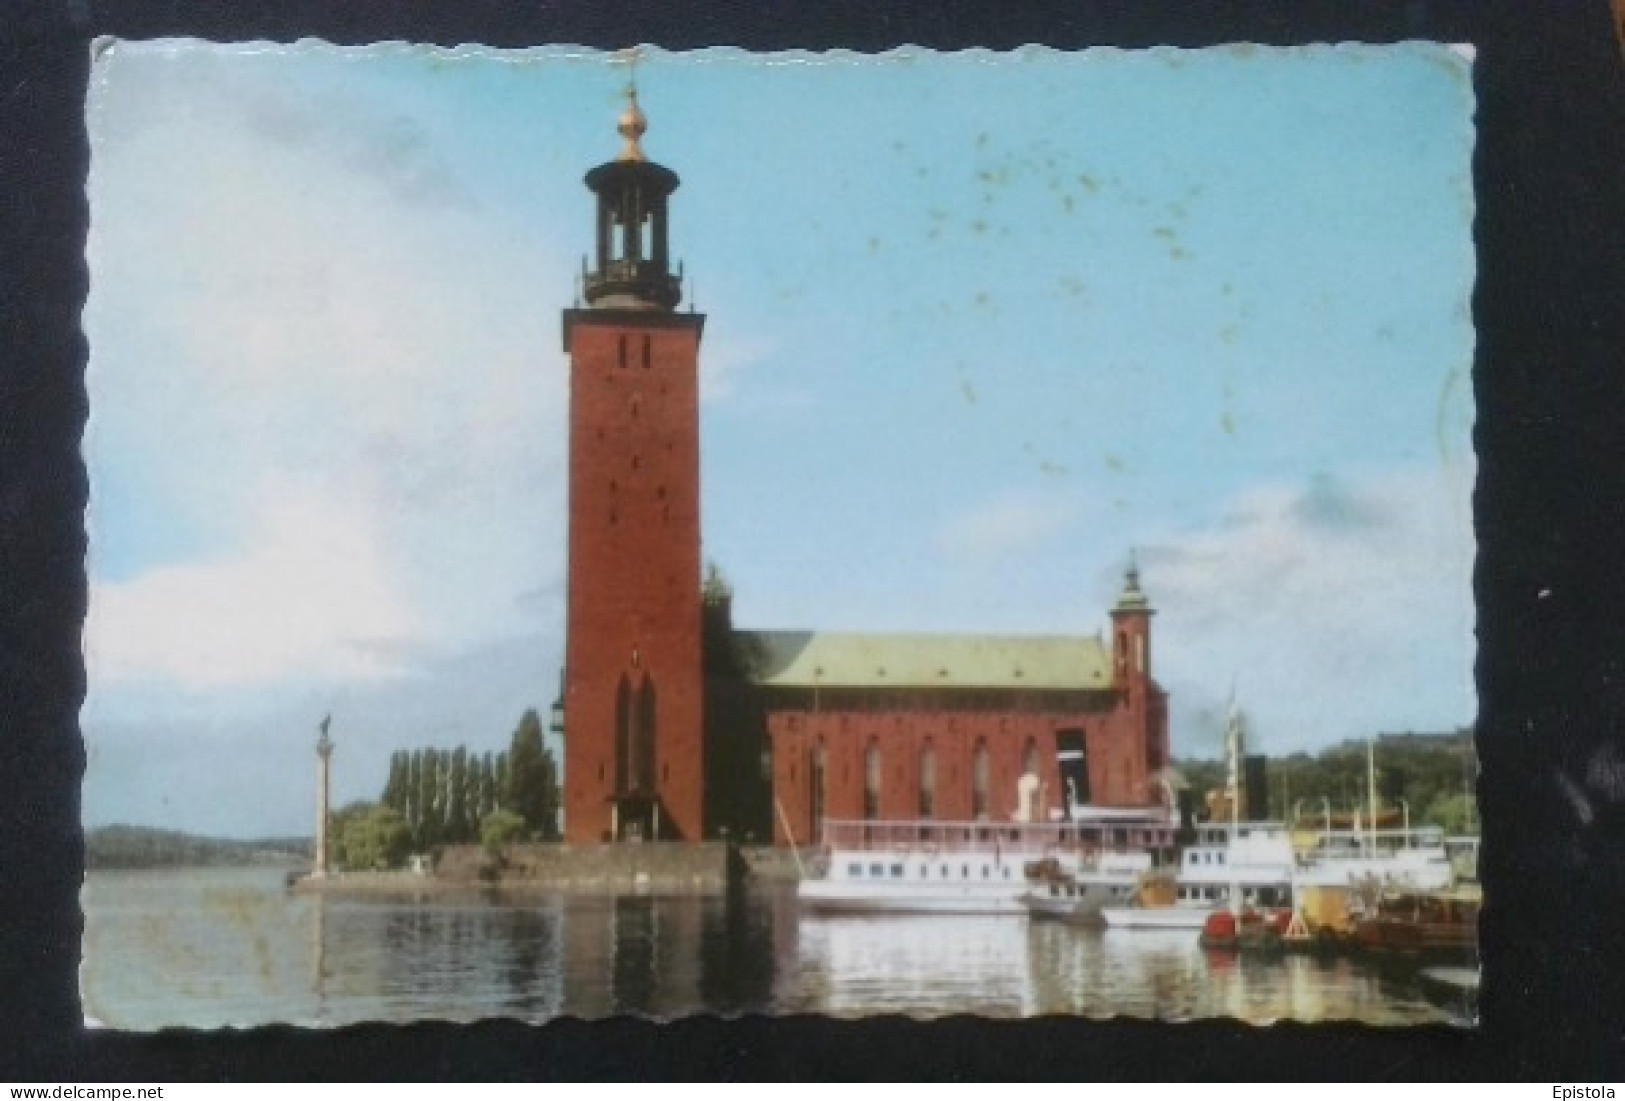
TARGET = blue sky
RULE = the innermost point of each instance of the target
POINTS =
(978, 324)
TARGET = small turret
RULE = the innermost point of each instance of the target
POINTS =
(1131, 632)
(632, 263)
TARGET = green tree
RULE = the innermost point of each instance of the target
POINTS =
(487, 786)
(431, 821)
(414, 794)
(499, 829)
(499, 781)
(458, 827)
(533, 790)
(394, 794)
(373, 839)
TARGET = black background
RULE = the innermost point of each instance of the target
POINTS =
(1549, 375)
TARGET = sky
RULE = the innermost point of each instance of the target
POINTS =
(979, 327)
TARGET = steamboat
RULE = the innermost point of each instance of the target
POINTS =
(978, 867)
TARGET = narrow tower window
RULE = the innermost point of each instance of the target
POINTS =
(928, 781)
(645, 351)
(623, 736)
(979, 781)
(620, 353)
(815, 793)
(643, 745)
(871, 781)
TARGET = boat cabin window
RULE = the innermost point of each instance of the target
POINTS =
(964, 871)
(1218, 858)
(944, 871)
(854, 870)
(896, 870)
(877, 869)
(1007, 871)
(984, 871)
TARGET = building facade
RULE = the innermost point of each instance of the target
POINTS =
(679, 726)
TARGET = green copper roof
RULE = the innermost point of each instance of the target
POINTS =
(828, 660)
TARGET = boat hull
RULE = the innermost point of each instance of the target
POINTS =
(1155, 917)
(846, 897)
(1081, 908)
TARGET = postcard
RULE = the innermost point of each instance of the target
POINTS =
(584, 533)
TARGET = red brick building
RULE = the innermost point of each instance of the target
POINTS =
(679, 726)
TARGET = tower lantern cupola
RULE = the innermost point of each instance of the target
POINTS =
(633, 264)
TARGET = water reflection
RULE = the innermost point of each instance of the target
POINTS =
(925, 965)
(217, 947)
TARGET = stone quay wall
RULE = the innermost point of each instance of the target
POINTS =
(655, 866)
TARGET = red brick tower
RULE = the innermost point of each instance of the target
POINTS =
(1144, 704)
(633, 680)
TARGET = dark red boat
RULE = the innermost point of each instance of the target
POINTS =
(1423, 925)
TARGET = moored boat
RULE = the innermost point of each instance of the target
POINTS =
(928, 866)
(1078, 897)
(1232, 868)
(1422, 926)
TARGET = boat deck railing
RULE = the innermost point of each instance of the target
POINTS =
(1126, 834)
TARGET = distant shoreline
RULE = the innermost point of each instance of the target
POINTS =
(116, 847)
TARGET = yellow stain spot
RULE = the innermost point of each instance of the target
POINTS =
(969, 393)
(1227, 423)
(1114, 463)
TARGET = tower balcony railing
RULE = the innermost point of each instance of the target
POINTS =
(642, 279)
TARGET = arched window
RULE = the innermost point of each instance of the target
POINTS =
(815, 792)
(871, 781)
(623, 736)
(1029, 759)
(979, 780)
(928, 781)
(643, 739)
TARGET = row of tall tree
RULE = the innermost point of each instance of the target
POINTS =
(438, 797)
(444, 795)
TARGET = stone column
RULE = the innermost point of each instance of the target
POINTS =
(324, 751)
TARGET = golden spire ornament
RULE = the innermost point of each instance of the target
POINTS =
(631, 126)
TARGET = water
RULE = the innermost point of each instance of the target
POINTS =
(213, 947)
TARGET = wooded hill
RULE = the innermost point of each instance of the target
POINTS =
(143, 847)
(1434, 774)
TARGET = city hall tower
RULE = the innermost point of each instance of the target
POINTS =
(633, 679)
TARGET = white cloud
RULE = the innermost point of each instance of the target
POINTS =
(314, 596)
(317, 357)
(1337, 608)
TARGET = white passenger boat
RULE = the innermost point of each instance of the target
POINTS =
(1232, 867)
(1408, 859)
(1263, 865)
(968, 867)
